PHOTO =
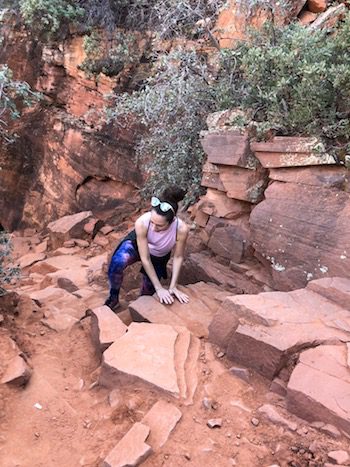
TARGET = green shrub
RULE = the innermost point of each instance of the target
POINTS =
(46, 17)
(11, 93)
(111, 58)
(8, 272)
(173, 106)
(291, 81)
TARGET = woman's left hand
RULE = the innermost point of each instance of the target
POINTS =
(182, 297)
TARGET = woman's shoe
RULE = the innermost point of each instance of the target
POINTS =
(113, 304)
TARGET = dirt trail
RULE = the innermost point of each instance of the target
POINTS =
(63, 418)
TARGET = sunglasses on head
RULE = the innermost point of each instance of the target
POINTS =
(164, 206)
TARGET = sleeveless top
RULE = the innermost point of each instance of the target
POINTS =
(160, 243)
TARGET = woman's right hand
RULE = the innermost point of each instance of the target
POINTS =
(165, 296)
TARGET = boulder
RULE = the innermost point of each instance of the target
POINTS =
(265, 332)
(68, 227)
(218, 204)
(228, 147)
(17, 373)
(319, 387)
(106, 327)
(243, 184)
(303, 231)
(131, 450)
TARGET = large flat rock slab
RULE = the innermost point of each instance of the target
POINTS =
(145, 354)
(265, 331)
(303, 231)
(319, 387)
(195, 315)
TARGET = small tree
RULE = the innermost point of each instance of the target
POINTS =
(173, 106)
(11, 93)
(8, 272)
(46, 17)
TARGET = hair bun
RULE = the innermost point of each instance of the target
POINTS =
(173, 194)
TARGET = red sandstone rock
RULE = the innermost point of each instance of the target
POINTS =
(303, 231)
(218, 204)
(243, 184)
(68, 227)
(201, 267)
(317, 6)
(106, 327)
(324, 176)
(227, 148)
(307, 17)
(264, 331)
(161, 419)
(211, 178)
(284, 151)
(319, 386)
(131, 450)
(228, 242)
(335, 289)
(132, 357)
(329, 18)
(17, 373)
(30, 259)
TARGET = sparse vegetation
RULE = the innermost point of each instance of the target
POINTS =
(47, 17)
(12, 92)
(8, 272)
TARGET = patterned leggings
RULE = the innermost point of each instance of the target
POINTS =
(125, 255)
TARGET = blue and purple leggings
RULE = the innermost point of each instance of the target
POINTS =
(125, 255)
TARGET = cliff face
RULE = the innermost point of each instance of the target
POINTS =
(66, 157)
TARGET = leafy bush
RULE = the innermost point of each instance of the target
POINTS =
(173, 106)
(291, 81)
(7, 271)
(11, 92)
(122, 49)
(46, 17)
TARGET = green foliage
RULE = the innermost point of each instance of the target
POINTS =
(173, 106)
(8, 272)
(11, 93)
(122, 49)
(46, 17)
(291, 81)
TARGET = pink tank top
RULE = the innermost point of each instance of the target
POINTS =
(160, 243)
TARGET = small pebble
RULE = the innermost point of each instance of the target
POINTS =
(220, 354)
(42, 332)
(187, 456)
(214, 423)
(255, 421)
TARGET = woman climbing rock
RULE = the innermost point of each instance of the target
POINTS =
(156, 234)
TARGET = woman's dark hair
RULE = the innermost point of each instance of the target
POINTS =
(172, 195)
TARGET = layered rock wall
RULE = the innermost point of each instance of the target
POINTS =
(280, 202)
(66, 158)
